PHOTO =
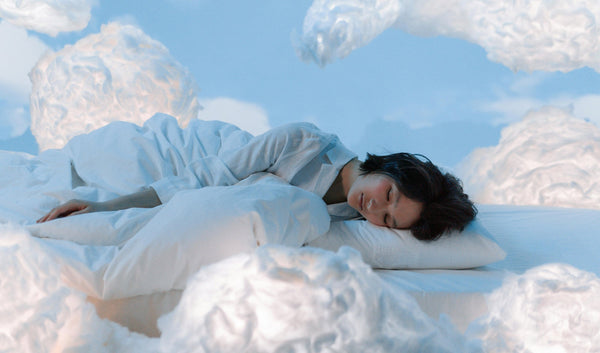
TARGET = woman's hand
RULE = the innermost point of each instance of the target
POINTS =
(146, 198)
(72, 208)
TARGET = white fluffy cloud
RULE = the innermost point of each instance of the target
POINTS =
(117, 74)
(14, 121)
(512, 104)
(19, 54)
(299, 300)
(281, 299)
(39, 314)
(522, 35)
(510, 108)
(247, 116)
(47, 16)
(549, 158)
(551, 308)
(276, 299)
(584, 107)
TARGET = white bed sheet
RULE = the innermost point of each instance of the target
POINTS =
(530, 235)
(534, 235)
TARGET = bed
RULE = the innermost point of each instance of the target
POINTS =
(275, 274)
(531, 236)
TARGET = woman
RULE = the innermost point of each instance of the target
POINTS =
(401, 190)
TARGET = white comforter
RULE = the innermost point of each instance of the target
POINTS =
(119, 159)
(143, 251)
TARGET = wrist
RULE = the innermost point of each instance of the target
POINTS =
(109, 205)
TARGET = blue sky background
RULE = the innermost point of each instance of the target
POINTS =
(434, 95)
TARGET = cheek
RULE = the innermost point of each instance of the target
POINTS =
(353, 197)
(379, 189)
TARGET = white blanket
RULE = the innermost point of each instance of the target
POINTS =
(143, 251)
(118, 159)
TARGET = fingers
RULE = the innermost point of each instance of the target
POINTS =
(64, 210)
(85, 210)
(49, 216)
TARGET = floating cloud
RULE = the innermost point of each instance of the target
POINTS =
(118, 74)
(40, 314)
(292, 300)
(334, 28)
(551, 308)
(512, 108)
(299, 300)
(274, 300)
(522, 35)
(513, 102)
(19, 54)
(247, 116)
(14, 121)
(549, 158)
(47, 16)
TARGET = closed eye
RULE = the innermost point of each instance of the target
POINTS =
(389, 194)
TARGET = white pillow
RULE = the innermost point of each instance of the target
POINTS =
(398, 249)
(203, 226)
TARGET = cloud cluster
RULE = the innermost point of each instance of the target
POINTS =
(47, 16)
(522, 35)
(19, 54)
(299, 300)
(281, 299)
(334, 28)
(551, 308)
(14, 121)
(275, 300)
(513, 101)
(117, 74)
(549, 158)
(40, 314)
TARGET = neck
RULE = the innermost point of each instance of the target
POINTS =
(338, 191)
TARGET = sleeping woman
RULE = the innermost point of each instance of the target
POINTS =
(401, 190)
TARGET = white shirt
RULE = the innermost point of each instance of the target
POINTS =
(299, 153)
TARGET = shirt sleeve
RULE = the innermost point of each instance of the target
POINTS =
(282, 151)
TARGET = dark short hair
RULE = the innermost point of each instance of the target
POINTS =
(445, 206)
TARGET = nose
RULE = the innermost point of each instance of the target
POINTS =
(374, 211)
(373, 205)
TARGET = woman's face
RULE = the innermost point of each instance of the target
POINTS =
(377, 198)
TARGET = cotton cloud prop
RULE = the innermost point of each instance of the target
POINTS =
(117, 74)
(39, 314)
(299, 300)
(292, 300)
(47, 16)
(522, 35)
(551, 308)
(274, 300)
(549, 158)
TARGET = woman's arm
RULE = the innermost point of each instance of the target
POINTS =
(146, 198)
(282, 151)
